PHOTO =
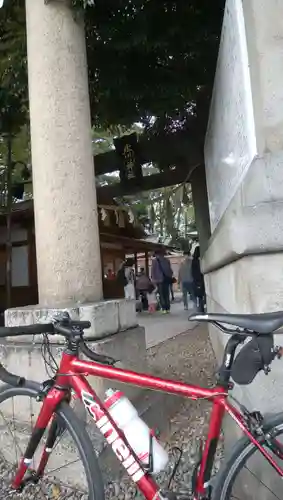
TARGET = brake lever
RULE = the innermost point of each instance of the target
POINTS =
(111, 361)
(93, 356)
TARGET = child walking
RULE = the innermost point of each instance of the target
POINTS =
(152, 301)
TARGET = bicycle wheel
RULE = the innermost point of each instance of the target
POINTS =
(246, 474)
(77, 479)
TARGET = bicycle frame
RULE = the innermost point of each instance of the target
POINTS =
(72, 373)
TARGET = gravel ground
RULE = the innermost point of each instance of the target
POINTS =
(43, 491)
(187, 357)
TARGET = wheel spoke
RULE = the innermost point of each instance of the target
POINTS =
(63, 466)
(17, 447)
(14, 425)
(262, 483)
(74, 455)
(65, 485)
(247, 474)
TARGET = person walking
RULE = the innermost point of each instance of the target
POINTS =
(126, 277)
(186, 279)
(172, 292)
(143, 286)
(162, 277)
(198, 281)
(152, 300)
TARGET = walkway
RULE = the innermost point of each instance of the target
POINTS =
(160, 327)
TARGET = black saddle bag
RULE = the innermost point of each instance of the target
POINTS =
(254, 356)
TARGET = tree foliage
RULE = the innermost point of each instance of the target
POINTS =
(146, 58)
(13, 69)
(151, 58)
(165, 212)
(14, 128)
(149, 62)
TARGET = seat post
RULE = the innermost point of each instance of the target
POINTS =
(224, 372)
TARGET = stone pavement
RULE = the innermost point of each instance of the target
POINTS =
(160, 327)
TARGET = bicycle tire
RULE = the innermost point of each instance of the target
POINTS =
(241, 452)
(77, 432)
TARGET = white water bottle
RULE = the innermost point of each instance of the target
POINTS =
(137, 433)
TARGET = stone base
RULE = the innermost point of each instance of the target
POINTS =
(106, 317)
(114, 320)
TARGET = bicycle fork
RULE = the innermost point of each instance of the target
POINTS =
(52, 400)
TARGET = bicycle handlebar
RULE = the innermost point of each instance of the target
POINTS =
(17, 331)
(61, 327)
(64, 326)
(10, 378)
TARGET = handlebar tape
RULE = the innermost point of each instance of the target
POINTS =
(10, 378)
(39, 328)
(93, 356)
(17, 331)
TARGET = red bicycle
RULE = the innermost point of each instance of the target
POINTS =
(56, 416)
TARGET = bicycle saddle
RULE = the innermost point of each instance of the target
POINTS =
(258, 323)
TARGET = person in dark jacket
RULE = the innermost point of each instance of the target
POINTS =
(162, 277)
(198, 280)
(143, 287)
(185, 279)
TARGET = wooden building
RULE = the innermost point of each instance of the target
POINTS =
(119, 237)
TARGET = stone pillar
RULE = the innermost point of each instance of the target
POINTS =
(66, 220)
(199, 192)
(67, 235)
(244, 165)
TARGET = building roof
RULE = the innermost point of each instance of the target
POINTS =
(131, 237)
(133, 245)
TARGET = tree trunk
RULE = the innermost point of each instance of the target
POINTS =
(9, 225)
